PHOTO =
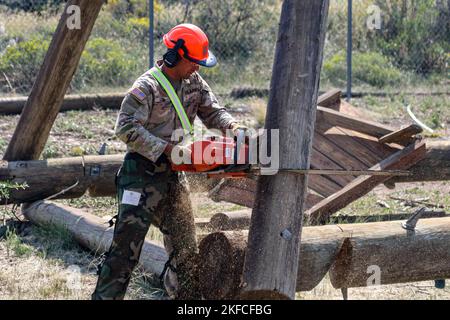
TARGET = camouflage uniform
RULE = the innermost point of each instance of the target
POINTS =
(145, 123)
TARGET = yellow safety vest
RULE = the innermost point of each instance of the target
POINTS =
(167, 86)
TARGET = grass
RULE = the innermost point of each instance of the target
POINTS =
(15, 245)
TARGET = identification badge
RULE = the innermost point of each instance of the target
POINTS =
(131, 197)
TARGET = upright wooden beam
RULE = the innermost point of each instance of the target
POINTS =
(271, 265)
(51, 84)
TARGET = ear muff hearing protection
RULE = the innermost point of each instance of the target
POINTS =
(172, 57)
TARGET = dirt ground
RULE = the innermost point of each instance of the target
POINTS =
(46, 263)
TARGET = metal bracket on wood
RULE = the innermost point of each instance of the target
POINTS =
(95, 171)
(411, 223)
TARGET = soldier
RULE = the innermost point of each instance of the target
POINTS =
(149, 192)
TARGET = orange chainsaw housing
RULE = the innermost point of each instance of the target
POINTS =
(212, 154)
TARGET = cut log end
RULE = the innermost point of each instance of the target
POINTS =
(222, 255)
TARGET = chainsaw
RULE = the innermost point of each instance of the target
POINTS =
(225, 157)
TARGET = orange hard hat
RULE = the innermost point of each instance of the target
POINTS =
(196, 44)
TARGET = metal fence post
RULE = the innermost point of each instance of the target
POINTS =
(150, 34)
(349, 49)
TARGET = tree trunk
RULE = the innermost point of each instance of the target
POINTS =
(91, 231)
(51, 84)
(272, 261)
(348, 252)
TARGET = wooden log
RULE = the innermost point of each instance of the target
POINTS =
(48, 177)
(51, 84)
(240, 220)
(435, 166)
(400, 255)
(346, 251)
(335, 118)
(222, 255)
(271, 264)
(45, 178)
(90, 231)
(15, 105)
(92, 174)
(235, 220)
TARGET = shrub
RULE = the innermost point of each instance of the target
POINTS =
(370, 68)
(105, 61)
(416, 34)
(21, 62)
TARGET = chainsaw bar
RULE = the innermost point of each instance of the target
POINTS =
(331, 172)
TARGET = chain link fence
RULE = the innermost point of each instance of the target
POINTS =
(397, 44)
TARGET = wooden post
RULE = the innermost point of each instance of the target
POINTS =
(271, 265)
(51, 84)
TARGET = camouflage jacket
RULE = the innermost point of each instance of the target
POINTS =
(147, 117)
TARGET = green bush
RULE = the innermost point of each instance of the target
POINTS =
(21, 62)
(416, 35)
(105, 61)
(370, 68)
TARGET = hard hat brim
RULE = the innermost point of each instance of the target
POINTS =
(211, 61)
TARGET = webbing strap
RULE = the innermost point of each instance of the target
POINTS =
(167, 86)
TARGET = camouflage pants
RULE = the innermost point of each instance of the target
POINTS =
(164, 202)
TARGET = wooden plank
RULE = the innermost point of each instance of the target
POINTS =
(51, 84)
(271, 263)
(403, 159)
(335, 118)
(402, 136)
(321, 161)
(341, 157)
(242, 192)
(382, 151)
(330, 99)
(323, 185)
(352, 146)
